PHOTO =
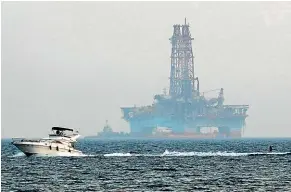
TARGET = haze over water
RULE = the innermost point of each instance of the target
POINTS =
(74, 64)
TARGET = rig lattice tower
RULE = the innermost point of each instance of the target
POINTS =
(182, 79)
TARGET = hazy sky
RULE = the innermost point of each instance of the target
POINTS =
(74, 64)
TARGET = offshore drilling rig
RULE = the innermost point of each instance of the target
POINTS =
(184, 110)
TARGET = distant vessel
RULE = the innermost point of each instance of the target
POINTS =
(108, 133)
(58, 143)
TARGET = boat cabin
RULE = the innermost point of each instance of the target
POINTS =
(61, 131)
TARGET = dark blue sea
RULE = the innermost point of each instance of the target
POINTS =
(153, 165)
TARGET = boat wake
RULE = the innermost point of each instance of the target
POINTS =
(19, 154)
(200, 154)
(119, 154)
(165, 154)
(225, 153)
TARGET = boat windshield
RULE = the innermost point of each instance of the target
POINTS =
(62, 132)
(61, 129)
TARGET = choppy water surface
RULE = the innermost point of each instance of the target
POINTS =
(153, 165)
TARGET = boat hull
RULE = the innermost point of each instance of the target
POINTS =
(46, 150)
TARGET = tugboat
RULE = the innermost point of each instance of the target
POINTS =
(108, 133)
(61, 142)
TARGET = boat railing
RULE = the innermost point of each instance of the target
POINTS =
(17, 139)
(41, 140)
(31, 140)
(26, 140)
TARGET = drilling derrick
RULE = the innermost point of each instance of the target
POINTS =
(185, 110)
(182, 81)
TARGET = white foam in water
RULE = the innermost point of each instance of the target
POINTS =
(174, 153)
(117, 154)
(19, 154)
(209, 154)
(166, 153)
(201, 154)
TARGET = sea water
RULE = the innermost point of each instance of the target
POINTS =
(153, 165)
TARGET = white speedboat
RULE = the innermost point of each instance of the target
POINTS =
(59, 143)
